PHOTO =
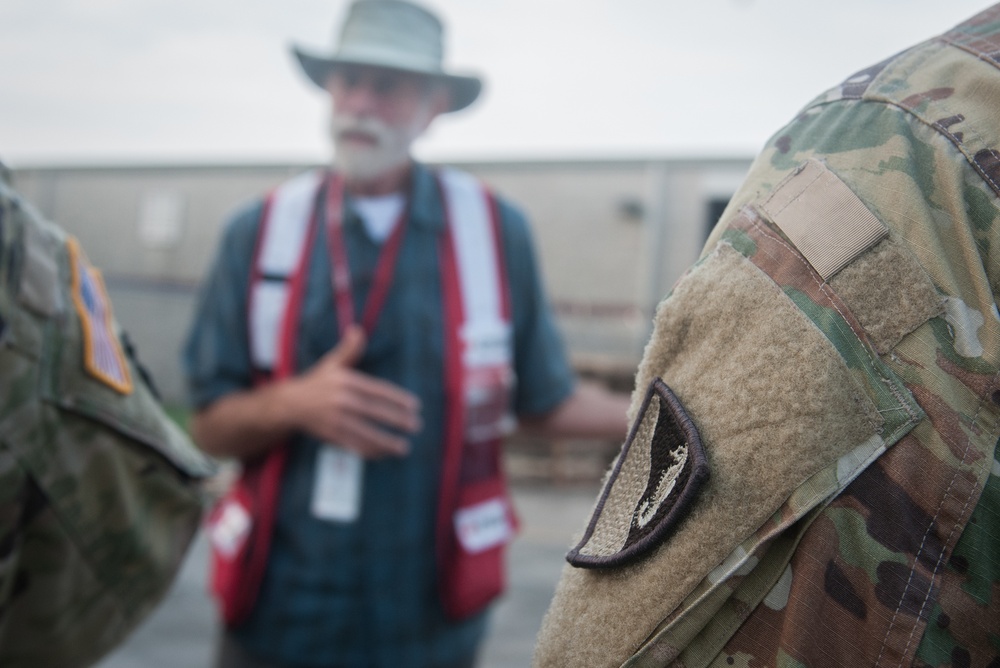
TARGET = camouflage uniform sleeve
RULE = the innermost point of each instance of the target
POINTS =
(99, 493)
(833, 359)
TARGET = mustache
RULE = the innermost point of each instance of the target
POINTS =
(369, 126)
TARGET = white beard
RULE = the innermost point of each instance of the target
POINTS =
(391, 149)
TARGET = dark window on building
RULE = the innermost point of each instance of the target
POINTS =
(713, 211)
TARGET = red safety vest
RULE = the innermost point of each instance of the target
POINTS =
(475, 518)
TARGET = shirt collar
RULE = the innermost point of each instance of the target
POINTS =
(425, 209)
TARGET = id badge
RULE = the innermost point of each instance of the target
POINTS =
(229, 525)
(484, 525)
(337, 489)
(487, 403)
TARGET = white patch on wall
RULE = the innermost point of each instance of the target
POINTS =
(161, 220)
(996, 467)
(777, 598)
(965, 323)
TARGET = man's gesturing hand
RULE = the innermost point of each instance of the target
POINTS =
(339, 405)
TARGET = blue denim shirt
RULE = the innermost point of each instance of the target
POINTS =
(365, 593)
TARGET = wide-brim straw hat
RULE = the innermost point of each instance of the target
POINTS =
(393, 34)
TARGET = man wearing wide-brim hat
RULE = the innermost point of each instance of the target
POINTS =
(366, 338)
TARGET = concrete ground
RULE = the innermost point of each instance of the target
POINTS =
(180, 633)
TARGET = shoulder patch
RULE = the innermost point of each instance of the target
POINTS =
(823, 217)
(657, 477)
(103, 356)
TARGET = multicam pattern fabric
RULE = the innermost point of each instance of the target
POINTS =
(98, 488)
(885, 553)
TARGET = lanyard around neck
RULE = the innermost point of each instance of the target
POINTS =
(340, 271)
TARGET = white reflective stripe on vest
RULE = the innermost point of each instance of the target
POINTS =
(288, 221)
(485, 331)
(284, 234)
(268, 301)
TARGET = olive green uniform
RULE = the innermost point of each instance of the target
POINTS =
(99, 494)
(815, 481)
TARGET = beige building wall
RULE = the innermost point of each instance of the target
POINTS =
(611, 238)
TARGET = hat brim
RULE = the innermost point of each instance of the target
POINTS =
(463, 89)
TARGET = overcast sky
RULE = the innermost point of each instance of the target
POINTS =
(149, 81)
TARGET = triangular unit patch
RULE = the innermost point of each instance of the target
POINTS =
(657, 477)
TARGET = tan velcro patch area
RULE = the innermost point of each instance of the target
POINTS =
(889, 293)
(773, 402)
(823, 218)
